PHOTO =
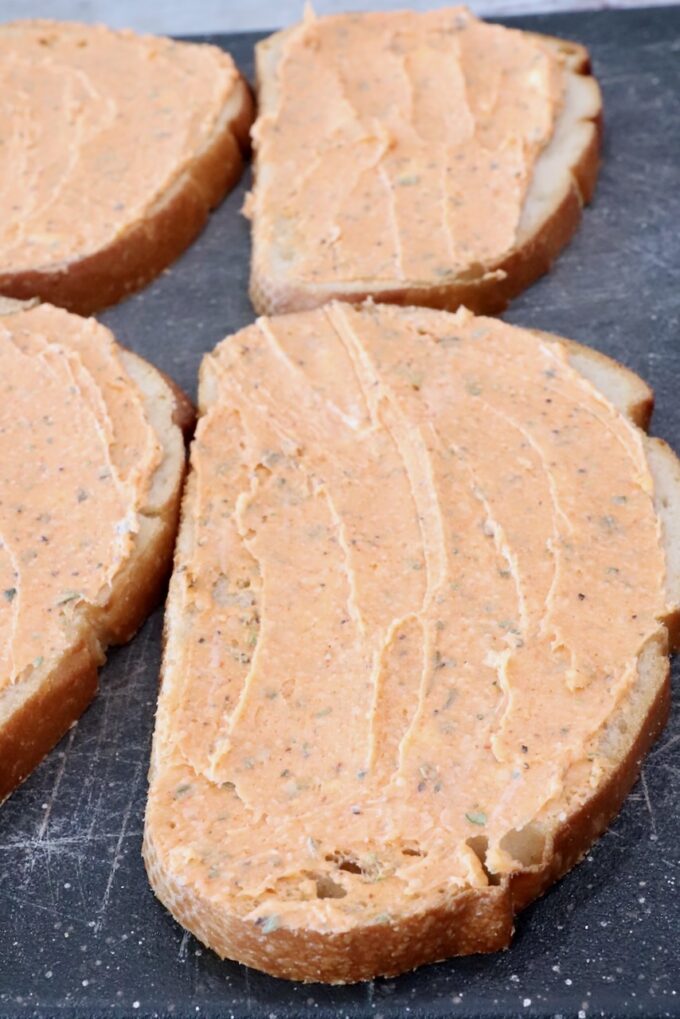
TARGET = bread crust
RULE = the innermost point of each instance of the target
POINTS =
(30, 730)
(41, 721)
(479, 920)
(486, 293)
(138, 255)
(473, 921)
(184, 414)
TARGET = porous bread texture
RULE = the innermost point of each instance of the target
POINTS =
(564, 180)
(473, 919)
(37, 711)
(175, 218)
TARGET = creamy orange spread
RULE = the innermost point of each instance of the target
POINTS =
(95, 127)
(399, 146)
(77, 455)
(421, 561)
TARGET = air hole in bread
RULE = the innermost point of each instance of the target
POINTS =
(525, 845)
(262, 472)
(479, 845)
(327, 888)
(350, 866)
(346, 862)
(411, 851)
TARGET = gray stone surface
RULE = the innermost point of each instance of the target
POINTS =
(81, 934)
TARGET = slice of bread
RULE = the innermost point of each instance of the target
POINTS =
(290, 267)
(86, 427)
(417, 635)
(117, 146)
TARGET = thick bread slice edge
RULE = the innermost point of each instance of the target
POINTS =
(175, 219)
(35, 713)
(478, 920)
(564, 180)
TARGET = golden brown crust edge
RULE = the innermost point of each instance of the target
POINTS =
(41, 721)
(574, 838)
(184, 414)
(142, 252)
(474, 921)
(488, 294)
(640, 405)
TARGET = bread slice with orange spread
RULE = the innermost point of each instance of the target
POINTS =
(418, 158)
(116, 147)
(417, 636)
(92, 457)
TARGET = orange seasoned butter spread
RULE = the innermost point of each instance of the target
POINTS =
(77, 455)
(400, 145)
(96, 126)
(421, 561)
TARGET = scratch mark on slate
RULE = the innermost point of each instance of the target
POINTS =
(64, 843)
(183, 948)
(118, 851)
(667, 746)
(249, 1000)
(57, 912)
(648, 801)
(79, 880)
(57, 783)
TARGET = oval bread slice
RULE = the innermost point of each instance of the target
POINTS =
(417, 635)
(93, 463)
(440, 253)
(116, 147)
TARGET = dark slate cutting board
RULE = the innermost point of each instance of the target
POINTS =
(80, 932)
